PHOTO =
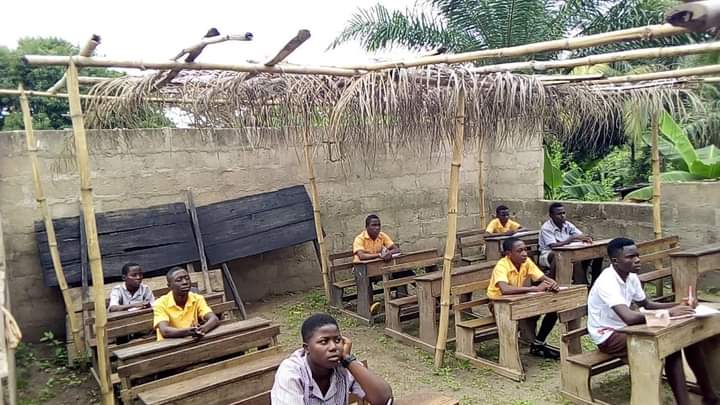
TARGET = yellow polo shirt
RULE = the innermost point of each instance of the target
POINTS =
(364, 242)
(165, 309)
(496, 227)
(506, 271)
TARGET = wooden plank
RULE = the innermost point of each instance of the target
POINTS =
(259, 399)
(157, 237)
(699, 251)
(549, 302)
(189, 375)
(169, 344)
(233, 290)
(277, 238)
(199, 351)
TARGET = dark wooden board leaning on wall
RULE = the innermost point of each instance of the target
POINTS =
(157, 237)
(256, 224)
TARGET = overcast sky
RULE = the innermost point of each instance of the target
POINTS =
(155, 29)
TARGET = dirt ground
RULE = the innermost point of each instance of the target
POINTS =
(44, 380)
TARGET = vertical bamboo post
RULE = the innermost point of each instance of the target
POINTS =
(453, 192)
(9, 351)
(657, 225)
(49, 227)
(481, 180)
(86, 198)
(307, 147)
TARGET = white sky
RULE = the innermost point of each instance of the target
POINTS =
(158, 29)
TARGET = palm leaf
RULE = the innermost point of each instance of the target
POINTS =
(671, 130)
(552, 176)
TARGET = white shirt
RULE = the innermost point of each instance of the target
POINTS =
(550, 233)
(294, 384)
(608, 291)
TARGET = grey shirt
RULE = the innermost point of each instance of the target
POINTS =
(119, 295)
(550, 233)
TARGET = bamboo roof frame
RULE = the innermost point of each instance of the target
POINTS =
(392, 78)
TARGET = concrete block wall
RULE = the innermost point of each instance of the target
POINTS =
(141, 168)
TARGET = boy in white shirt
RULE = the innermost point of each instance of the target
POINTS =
(611, 296)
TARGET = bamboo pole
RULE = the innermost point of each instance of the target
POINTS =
(42, 203)
(657, 225)
(86, 198)
(9, 351)
(169, 65)
(87, 50)
(31, 93)
(481, 180)
(631, 34)
(669, 74)
(635, 54)
(315, 198)
(453, 193)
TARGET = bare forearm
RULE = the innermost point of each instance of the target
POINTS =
(210, 322)
(658, 305)
(170, 332)
(362, 255)
(510, 290)
(118, 308)
(377, 391)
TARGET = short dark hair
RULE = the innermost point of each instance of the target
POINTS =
(554, 206)
(509, 243)
(370, 218)
(616, 246)
(126, 268)
(315, 322)
(173, 271)
(501, 208)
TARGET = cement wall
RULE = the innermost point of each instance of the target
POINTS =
(140, 168)
(689, 210)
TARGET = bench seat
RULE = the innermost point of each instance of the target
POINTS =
(404, 301)
(477, 323)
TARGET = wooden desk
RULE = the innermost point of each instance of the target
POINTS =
(493, 244)
(647, 347)
(689, 264)
(566, 256)
(364, 270)
(509, 310)
(429, 287)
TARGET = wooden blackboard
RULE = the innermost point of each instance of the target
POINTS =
(157, 237)
(256, 224)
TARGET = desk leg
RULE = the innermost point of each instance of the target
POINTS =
(492, 250)
(645, 371)
(684, 274)
(508, 339)
(428, 316)
(364, 291)
(563, 267)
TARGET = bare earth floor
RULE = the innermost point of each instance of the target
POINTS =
(407, 369)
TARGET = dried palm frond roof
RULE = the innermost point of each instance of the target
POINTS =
(395, 107)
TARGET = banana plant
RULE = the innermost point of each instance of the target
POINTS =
(568, 185)
(691, 164)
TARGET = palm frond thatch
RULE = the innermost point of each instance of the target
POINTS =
(403, 107)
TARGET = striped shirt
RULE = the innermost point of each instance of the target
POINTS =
(294, 384)
(119, 295)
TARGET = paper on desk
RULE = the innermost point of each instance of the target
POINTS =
(704, 310)
(574, 244)
(563, 288)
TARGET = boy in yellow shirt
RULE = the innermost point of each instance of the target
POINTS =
(502, 225)
(512, 275)
(180, 312)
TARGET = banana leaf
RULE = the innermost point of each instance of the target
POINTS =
(552, 175)
(672, 131)
(708, 163)
(575, 186)
(645, 193)
(668, 151)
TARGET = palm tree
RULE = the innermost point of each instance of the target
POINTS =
(466, 25)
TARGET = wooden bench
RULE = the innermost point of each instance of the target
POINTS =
(577, 367)
(226, 355)
(471, 245)
(656, 267)
(688, 265)
(340, 278)
(403, 307)
(469, 326)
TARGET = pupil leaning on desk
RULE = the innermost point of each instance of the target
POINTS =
(558, 231)
(609, 310)
(502, 225)
(512, 275)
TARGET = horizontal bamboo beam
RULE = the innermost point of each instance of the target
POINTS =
(4, 92)
(635, 54)
(669, 74)
(93, 79)
(87, 50)
(568, 78)
(45, 60)
(631, 34)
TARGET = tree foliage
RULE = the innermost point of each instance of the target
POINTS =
(48, 112)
